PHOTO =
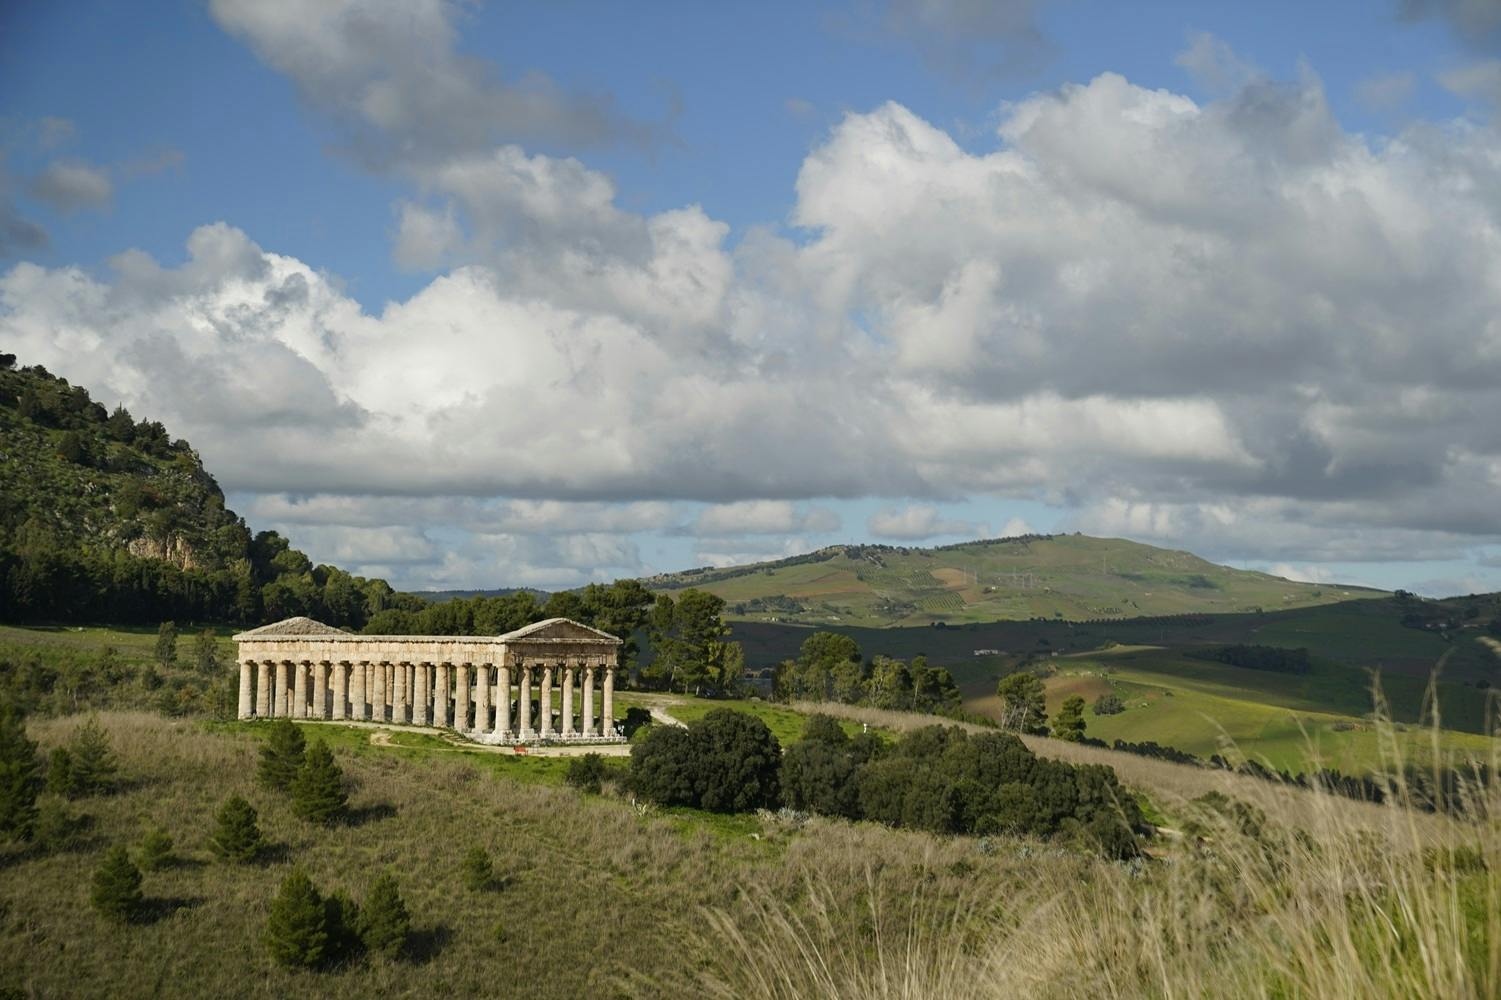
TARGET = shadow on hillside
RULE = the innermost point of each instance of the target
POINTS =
(370, 814)
(427, 944)
(158, 908)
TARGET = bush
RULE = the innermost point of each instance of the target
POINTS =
(1109, 704)
(318, 790)
(93, 762)
(819, 772)
(728, 761)
(282, 756)
(18, 777)
(60, 771)
(117, 886)
(296, 931)
(58, 828)
(476, 869)
(587, 773)
(384, 923)
(156, 850)
(236, 836)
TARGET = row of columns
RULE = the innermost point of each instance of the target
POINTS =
(458, 696)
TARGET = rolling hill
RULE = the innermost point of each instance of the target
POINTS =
(1071, 577)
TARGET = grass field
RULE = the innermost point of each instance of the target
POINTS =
(596, 897)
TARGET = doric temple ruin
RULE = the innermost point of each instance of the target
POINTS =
(480, 686)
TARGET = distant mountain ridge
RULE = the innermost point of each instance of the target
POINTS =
(1074, 577)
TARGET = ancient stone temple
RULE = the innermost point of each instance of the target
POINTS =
(481, 686)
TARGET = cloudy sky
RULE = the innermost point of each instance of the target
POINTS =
(508, 294)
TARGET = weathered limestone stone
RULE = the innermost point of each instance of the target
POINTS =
(285, 671)
(247, 689)
(341, 689)
(263, 690)
(482, 698)
(567, 700)
(424, 695)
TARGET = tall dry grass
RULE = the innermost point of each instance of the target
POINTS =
(1291, 893)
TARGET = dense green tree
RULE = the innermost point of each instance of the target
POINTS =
(818, 772)
(116, 891)
(890, 684)
(282, 756)
(236, 836)
(19, 776)
(318, 794)
(684, 636)
(166, 644)
(58, 828)
(727, 761)
(206, 653)
(1108, 703)
(1022, 704)
(156, 850)
(663, 767)
(93, 761)
(1068, 724)
(296, 931)
(476, 870)
(384, 922)
(586, 773)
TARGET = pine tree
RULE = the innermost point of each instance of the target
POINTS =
(297, 927)
(156, 850)
(60, 771)
(318, 790)
(93, 761)
(236, 836)
(1068, 724)
(117, 886)
(206, 653)
(384, 923)
(166, 644)
(282, 756)
(18, 776)
(476, 869)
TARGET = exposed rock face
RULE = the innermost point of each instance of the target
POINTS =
(173, 549)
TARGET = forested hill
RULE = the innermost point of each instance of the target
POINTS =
(1075, 577)
(106, 518)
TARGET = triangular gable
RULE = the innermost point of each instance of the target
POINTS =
(559, 628)
(291, 626)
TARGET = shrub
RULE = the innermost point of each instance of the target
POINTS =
(318, 790)
(727, 761)
(18, 776)
(57, 829)
(1109, 703)
(236, 836)
(60, 771)
(296, 931)
(93, 765)
(156, 850)
(587, 773)
(476, 869)
(384, 923)
(282, 756)
(117, 886)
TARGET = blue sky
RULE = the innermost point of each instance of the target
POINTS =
(483, 295)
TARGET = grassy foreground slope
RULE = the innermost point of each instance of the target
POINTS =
(1075, 577)
(598, 898)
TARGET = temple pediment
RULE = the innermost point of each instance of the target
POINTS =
(559, 630)
(291, 626)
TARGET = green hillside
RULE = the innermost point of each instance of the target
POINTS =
(106, 518)
(1073, 577)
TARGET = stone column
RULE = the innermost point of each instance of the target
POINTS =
(568, 701)
(607, 721)
(482, 698)
(320, 690)
(524, 703)
(546, 730)
(424, 698)
(357, 674)
(282, 697)
(378, 697)
(588, 699)
(503, 700)
(442, 713)
(461, 699)
(399, 694)
(299, 690)
(263, 689)
(341, 690)
(247, 689)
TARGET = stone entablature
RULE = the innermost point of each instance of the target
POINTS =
(301, 668)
